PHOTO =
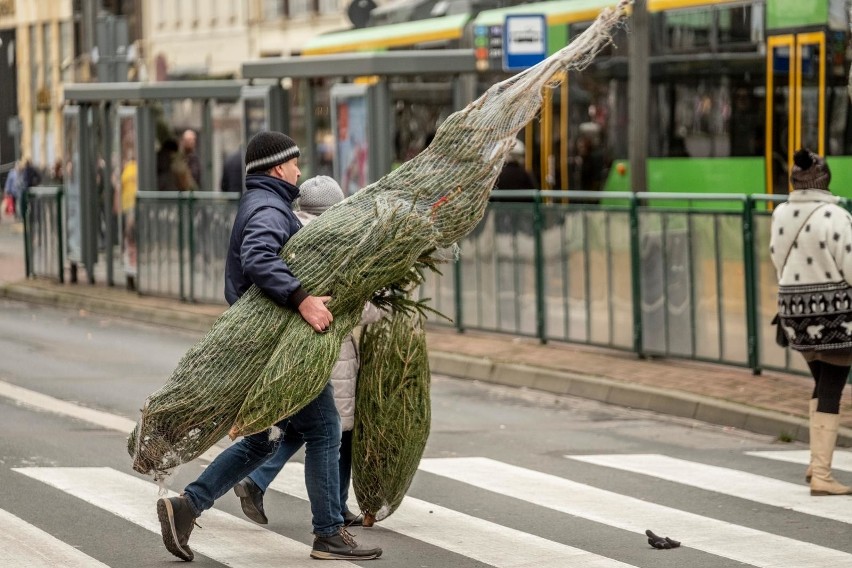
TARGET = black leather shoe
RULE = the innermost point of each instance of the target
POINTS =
(350, 519)
(177, 520)
(251, 500)
(342, 546)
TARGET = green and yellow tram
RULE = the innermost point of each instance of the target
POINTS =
(735, 86)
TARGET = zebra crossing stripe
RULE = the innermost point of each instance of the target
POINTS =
(724, 539)
(50, 404)
(483, 540)
(225, 538)
(23, 545)
(842, 461)
(765, 490)
(53, 405)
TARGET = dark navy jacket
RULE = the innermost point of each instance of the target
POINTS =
(265, 222)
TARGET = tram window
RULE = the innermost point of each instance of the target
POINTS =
(839, 121)
(705, 119)
(618, 47)
(740, 25)
(688, 31)
(728, 28)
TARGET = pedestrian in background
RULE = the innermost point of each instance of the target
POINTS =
(264, 223)
(315, 196)
(188, 145)
(232, 172)
(11, 189)
(125, 205)
(811, 248)
(514, 175)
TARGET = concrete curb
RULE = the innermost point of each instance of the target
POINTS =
(188, 321)
(672, 403)
(460, 366)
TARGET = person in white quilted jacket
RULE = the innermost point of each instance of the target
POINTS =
(315, 196)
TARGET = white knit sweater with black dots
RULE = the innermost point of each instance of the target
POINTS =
(811, 248)
(820, 234)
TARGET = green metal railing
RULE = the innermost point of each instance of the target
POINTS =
(182, 240)
(44, 245)
(658, 274)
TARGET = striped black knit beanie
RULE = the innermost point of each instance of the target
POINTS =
(809, 171)
(266, 150)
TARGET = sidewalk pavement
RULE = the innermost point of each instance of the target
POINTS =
(773, 403)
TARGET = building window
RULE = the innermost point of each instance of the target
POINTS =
(47, 55)
(328, 7)
(66, 51)
(161, 13)
(300, 8)
(274, 9)
(34, 64)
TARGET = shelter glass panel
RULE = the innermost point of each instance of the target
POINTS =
(71, 152)
(420, 106)
(126, 183)
(180, 169)
(227, 136)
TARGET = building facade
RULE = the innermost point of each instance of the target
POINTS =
(213, 38)
(42, 34)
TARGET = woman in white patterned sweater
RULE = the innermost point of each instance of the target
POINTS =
(811, 248)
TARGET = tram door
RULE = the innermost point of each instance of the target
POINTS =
(795, 104)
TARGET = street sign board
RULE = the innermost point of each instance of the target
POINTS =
(524, 41)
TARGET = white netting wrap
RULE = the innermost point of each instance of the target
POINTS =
(259, 362)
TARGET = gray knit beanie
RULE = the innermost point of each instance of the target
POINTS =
(267, 149)
(318, 194)
(809, 171)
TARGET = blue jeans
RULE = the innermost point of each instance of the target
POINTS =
(264, 474)
(318, 424)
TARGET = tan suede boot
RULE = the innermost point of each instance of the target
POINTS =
(812, 407)
(823, 437)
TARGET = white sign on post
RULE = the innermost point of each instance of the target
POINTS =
(524, 41)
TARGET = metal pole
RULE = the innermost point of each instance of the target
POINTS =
(205, 144)
(109, 191)
(636, 277)
(88, 23)
(638, 89)
(310, 124)
(541, 314)
(457, 287)
(60, 195)
(750, 285)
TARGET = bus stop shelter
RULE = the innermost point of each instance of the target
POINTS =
(362, 101)
(107, 124)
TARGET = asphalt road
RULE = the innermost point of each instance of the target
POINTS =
(509, 478)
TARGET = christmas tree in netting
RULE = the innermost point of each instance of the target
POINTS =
(392, 413)
(260, 363)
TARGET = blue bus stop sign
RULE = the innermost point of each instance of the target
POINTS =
(524, 41)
